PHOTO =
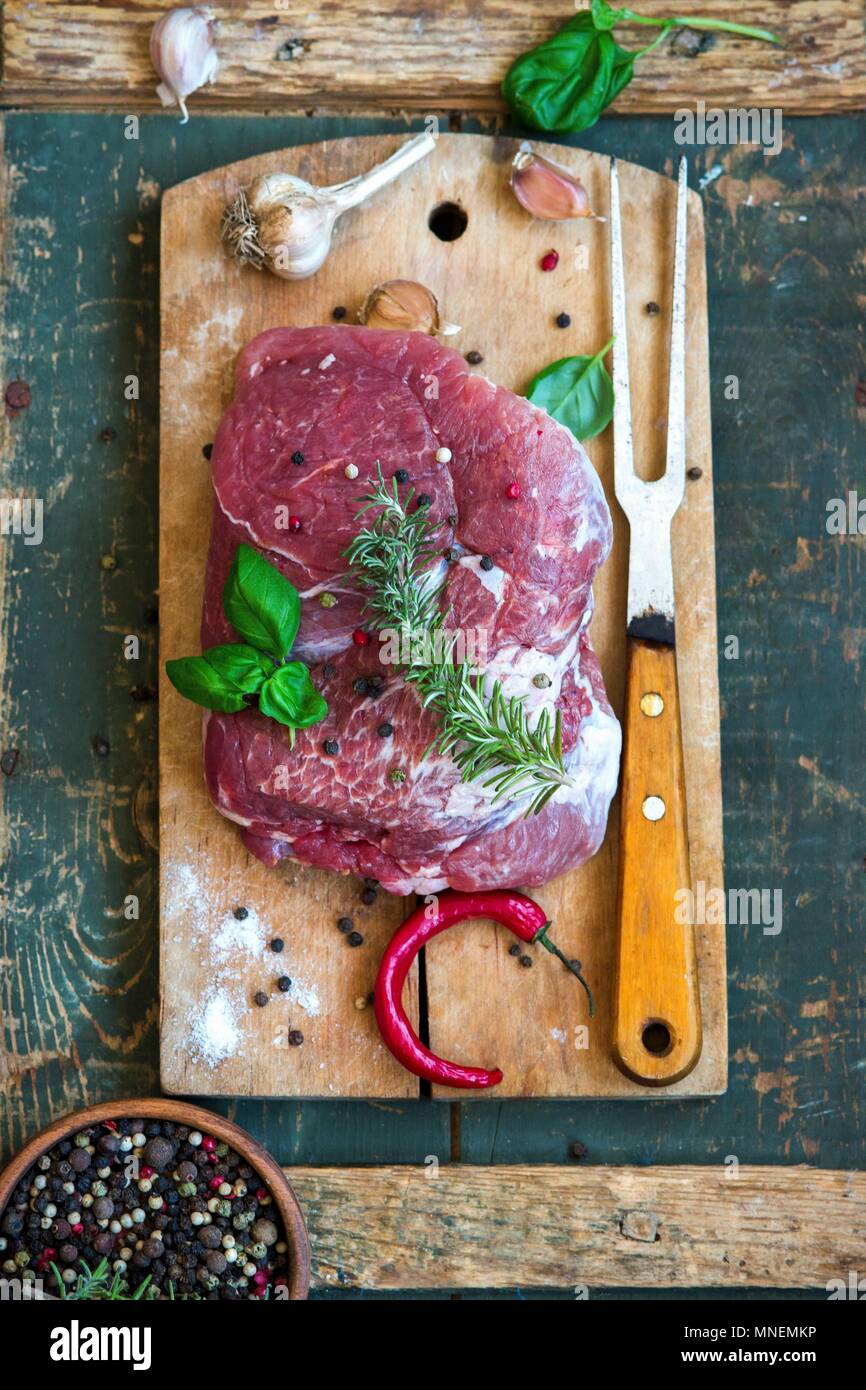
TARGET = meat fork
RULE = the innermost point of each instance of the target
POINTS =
(657, 1012)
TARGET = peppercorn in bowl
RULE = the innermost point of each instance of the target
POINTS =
(151, 1199)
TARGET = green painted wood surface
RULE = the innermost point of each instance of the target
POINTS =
(78, 987)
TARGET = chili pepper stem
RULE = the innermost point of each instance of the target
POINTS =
(543, 939)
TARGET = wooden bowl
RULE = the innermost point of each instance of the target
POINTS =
(156, 1108)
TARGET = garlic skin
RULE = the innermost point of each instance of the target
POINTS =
(547, 190)
(406, 306)
(284, 224)
(183, 54)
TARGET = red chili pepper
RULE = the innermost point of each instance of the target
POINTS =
(520, 914)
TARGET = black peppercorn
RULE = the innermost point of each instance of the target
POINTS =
(284, 984)
(158, 1153)
(563, 320)
(331, 747)
(207, 450)
(486, 562)
(402, 475)
(296, 1037)
(695, 473)
(260, 998)
(355, 938)
(368, 897)
(297, 457)
(277, 944)
(329, 670)
(339, 312)
(453, 519)
(360, 685)
(526, 962)
(345, 925)
(424, 499)
(514, 950)
(653, 308)
(385, 730)
(473, 358)
(241, 913)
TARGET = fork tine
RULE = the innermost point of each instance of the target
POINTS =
(676, 445)
(623, 460)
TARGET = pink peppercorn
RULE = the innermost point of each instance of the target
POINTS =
(215, 1183)
(261, 1194)
(78, 1228)
(550, 261)
(208, 1143)
(260, 1276)
(294, 523)
(360, 637)
(146, 1172)
(513, 491)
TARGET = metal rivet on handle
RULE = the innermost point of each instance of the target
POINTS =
(653, 808)
(651, 704)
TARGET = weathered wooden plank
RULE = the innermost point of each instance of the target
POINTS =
(596, 1228)
(787, 279)
(351, 56)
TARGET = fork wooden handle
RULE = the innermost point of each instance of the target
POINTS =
(657, 1011)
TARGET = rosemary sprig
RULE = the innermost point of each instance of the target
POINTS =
(97, 1284)
(488, 735)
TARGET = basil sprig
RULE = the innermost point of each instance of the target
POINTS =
(264, 608)
(577, 392)
(566, 82)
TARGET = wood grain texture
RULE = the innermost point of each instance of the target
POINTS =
(349, 55)
(655, 982)
(80, 234)
(588, 1228)
(483, 1008)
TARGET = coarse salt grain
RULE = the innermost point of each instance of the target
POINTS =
(215, 1031)
(443, 455)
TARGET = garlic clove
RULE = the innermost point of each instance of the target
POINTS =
(183, 54)
(286, 224)
(547, 190)
(406, 306)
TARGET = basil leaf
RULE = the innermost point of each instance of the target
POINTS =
(577, 392)
(565, 83)
(221, 677)
(260, 604)
(290, 697)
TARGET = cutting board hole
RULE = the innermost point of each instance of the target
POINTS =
(448, 221)
(656, 1038)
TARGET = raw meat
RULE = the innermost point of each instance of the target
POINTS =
(345, 395)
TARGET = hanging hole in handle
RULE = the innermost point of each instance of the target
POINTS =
(448, 221)
(656, 1038)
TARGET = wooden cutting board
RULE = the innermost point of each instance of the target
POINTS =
(480, 1005)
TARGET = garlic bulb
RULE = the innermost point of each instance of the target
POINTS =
(547, 190)
(285, 224)
(183, 53)
(404, 305)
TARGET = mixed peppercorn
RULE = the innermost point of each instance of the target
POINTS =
(162, 1202)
